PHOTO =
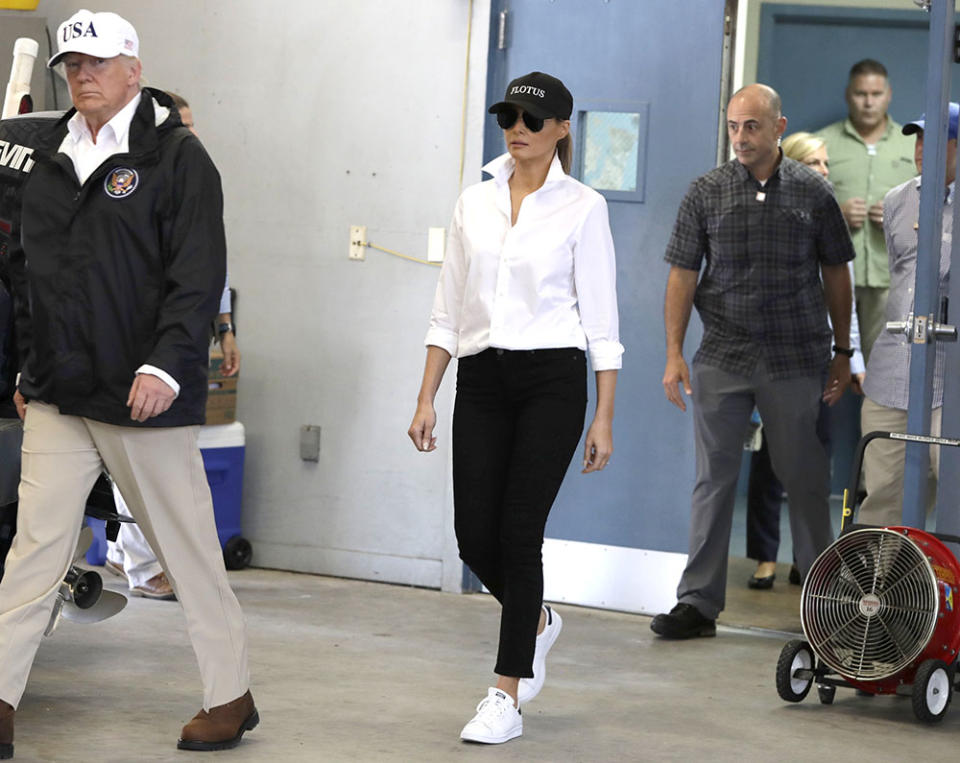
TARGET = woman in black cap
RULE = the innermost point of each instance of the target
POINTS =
(528, 285)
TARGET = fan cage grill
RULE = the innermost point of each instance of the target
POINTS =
(870, 603)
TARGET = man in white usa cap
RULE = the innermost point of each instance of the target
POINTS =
(122, 224)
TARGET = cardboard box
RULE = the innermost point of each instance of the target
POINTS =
(221, 392)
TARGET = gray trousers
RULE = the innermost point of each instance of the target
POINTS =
(722, 404)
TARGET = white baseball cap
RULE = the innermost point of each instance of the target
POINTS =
(104, 35)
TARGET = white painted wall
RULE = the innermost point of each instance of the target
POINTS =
(321, 114)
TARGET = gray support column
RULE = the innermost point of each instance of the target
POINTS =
(926, 306)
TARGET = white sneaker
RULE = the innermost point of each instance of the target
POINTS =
(530, 687)
(496, 721)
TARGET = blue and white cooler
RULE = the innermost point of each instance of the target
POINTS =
(223, 448)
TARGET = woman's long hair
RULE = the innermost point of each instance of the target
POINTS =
(565, 152)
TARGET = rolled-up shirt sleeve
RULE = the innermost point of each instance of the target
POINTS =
(595, 277)
(444, 331)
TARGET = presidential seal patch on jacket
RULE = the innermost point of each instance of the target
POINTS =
(121, 182)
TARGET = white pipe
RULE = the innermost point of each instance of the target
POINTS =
(25, 53)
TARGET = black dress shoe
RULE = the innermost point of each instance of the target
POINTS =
(684, 621)
(795, 578)
(761, 584)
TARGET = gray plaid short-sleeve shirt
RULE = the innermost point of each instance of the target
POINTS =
(760, 294)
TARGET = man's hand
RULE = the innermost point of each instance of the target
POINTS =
(21, 404)
(676, 374)
(855, 212)
(856, 383)
(838, 380)
(875, 213)
(149, 396)
(231, 354)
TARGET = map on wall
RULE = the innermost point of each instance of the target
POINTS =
(611, 149)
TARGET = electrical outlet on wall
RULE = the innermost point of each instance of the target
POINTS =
(358, 241)
(310, 442)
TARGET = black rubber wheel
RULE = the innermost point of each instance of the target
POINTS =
(237, 553)
(932, 690)
(796, 655)
(87, 589)
(826, 694)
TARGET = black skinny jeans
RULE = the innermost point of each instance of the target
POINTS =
(516, 423)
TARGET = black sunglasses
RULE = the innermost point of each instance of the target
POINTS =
(508, 118)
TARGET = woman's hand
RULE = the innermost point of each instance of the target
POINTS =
(421, 429)
(598, 446)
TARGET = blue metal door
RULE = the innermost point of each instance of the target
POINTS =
(658, 66)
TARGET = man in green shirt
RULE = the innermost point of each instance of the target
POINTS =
(868, 156)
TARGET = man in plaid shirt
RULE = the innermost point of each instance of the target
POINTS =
(775, 248)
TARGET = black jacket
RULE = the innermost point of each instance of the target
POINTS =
(122, 271)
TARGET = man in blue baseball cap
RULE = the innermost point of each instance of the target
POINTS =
(887, 384)
(917, 126)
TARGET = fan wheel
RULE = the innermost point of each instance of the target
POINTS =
(795, 655)
(237, 553)
(932, 691)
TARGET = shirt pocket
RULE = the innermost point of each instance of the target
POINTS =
(793, 232)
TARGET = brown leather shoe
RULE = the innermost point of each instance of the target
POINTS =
(157, 587)
(6, 730)
(222, 727)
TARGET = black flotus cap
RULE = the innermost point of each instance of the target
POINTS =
(538, 94)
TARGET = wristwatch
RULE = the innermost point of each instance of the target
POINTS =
(223, 328)
(840, 350)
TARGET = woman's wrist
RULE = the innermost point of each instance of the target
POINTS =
(603, 417)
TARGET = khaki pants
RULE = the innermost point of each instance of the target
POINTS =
(160, 471)
(871, 315)
(883, 464)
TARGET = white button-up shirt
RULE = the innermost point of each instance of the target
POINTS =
(113, 138)
(548, 281)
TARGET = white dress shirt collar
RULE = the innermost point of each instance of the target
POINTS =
(116, 130)
(503, 166)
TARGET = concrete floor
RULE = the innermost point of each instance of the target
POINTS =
(353, 671)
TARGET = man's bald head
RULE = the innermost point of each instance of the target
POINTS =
(762, 95)
(755, 124)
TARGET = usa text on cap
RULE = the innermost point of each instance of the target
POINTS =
(103, 35)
